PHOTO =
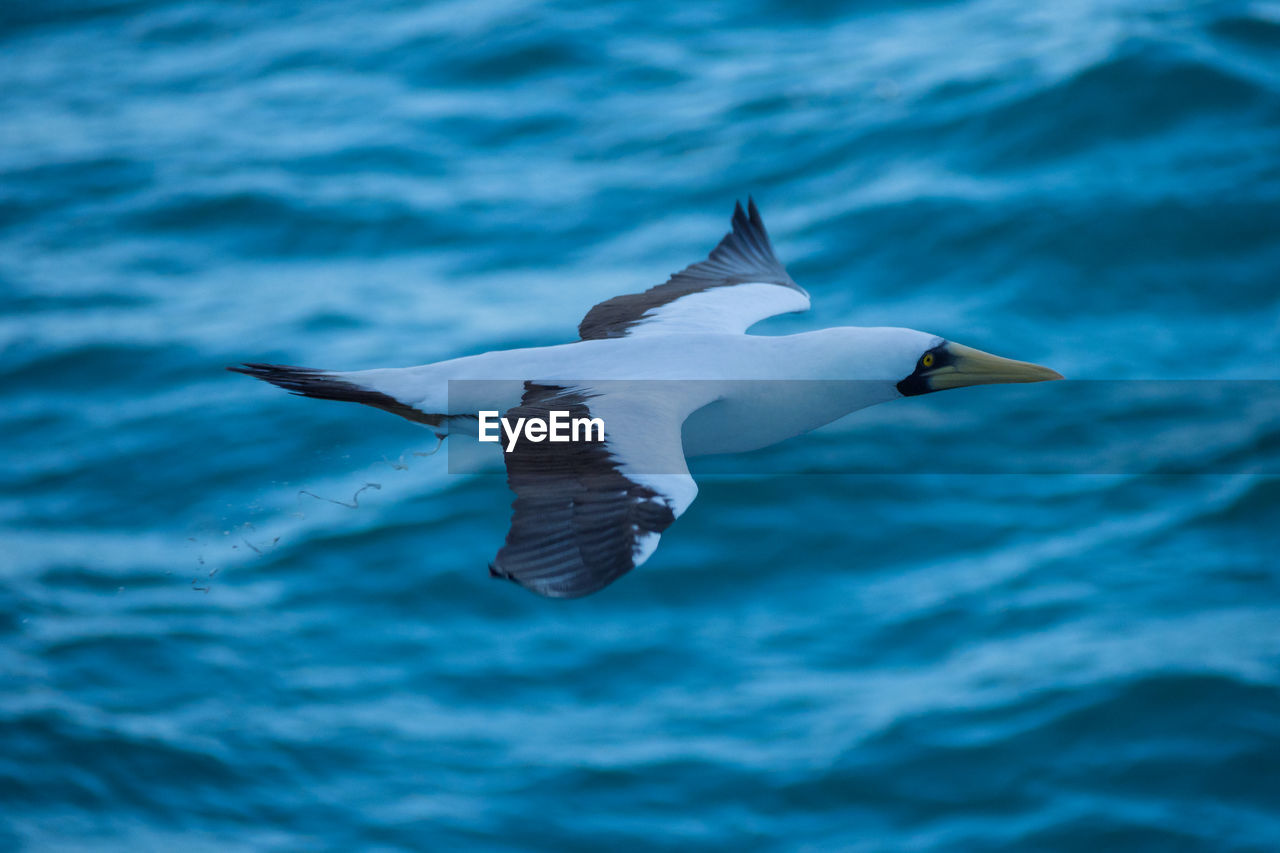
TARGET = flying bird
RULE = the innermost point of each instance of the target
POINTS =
(671, 373)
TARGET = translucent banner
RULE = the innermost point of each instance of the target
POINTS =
(800, 427)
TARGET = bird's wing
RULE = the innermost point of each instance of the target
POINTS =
(588, 512)
(741, 283)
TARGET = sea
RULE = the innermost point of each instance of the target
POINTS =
(1042, 618)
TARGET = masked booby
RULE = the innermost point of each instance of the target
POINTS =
(672, 373)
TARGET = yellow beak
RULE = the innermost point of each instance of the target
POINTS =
(969, 366)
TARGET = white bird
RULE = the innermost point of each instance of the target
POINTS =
(672, 373)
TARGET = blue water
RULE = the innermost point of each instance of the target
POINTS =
(196, 655)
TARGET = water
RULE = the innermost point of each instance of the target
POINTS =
(197, 655)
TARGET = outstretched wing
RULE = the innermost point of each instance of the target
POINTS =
(588, 512)
(741, 283)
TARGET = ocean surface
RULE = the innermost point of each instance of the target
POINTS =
(995, 619)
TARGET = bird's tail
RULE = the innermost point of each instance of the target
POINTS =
(327, 385)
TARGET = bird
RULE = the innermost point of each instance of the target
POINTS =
(671, 373)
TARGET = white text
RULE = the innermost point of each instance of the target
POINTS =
(559, 426)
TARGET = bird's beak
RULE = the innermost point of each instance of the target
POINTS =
(968, 366)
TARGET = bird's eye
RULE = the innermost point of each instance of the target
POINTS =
(927, 361)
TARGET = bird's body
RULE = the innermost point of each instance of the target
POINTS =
(743, 375)
(671, 373)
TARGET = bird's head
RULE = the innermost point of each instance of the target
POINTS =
(943, 364)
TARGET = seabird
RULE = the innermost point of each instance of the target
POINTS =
(672, 373)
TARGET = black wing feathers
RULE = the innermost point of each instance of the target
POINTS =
(309, 382)
(576, 519)
(744, 255)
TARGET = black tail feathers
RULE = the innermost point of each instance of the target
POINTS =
(309, 382)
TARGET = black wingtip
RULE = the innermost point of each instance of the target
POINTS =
(749, 219)
(258, 371)
(254, 368)
(309, 382)
(303, 381)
